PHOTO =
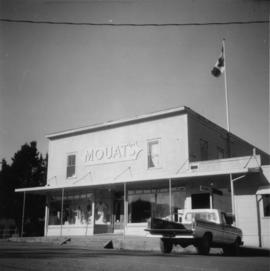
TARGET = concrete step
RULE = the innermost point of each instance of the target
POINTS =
(109, 241)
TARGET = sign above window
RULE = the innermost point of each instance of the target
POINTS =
(112, 154)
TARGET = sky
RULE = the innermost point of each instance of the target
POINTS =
(58, 77)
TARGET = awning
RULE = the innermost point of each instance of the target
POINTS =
(262, 190)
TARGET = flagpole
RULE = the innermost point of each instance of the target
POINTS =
(228, 123)
(226, 87)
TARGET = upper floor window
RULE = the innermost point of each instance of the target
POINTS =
(220, 153)
(71, 165)
(203, 149)
(266, 204)
(153, 154)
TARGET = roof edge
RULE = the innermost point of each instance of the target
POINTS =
(111, 124)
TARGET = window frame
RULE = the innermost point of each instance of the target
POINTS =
(149, 143)
(69, 166)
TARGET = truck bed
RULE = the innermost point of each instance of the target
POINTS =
(159, 226)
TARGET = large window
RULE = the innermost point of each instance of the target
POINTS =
(266, 205)
(71, 165)
(153, 154)
(77, 209)
(143, 204)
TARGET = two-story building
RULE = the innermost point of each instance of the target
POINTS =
(113, 177)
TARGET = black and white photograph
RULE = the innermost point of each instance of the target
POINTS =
(134, 135)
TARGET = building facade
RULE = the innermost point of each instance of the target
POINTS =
(112, 177)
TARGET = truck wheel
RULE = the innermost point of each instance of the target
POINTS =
(204, 245)
(166, 246)
(232, 250)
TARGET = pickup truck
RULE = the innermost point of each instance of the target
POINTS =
(203, 228)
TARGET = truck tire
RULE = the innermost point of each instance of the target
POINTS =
(232, 250)
(204, 245)
(165, 246)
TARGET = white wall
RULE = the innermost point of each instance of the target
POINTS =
(171, 131)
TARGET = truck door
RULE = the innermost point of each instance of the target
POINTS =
(228, 236)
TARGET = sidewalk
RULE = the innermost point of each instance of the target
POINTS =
(137, 243)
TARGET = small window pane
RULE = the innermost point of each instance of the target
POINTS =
(220, 153)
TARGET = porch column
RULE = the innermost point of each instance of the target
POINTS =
(46, 223)
(62, 206)
(23, 207)
(125, 210)
(232, 194)
(259, 219)
(93, 213)
(170, 198)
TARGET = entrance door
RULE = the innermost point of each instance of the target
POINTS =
(200, 201)
(118, 212)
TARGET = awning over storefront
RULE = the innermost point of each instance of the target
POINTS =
(237, 165)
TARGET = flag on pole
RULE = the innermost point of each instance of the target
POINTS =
(219, 67)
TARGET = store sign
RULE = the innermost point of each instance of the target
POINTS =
(112, 153)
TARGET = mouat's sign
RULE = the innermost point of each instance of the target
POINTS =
(112, 154)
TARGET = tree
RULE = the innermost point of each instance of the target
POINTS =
(28, 169)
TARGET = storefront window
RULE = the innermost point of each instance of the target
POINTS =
(77, 209)
(102, 212)
(144, 204)
(140, 207)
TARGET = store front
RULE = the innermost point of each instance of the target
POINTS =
(126, 208)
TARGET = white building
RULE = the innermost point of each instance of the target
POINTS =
(114, 176)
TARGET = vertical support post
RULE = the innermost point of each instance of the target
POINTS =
(232, 194)
(23, 207)
(93, 213)
(259, 219)
(211, 200)
(170, 198)
(62, 207)
(46, 216)
(125, 210)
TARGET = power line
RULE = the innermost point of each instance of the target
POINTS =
(133, 24)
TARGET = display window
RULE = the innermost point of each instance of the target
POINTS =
(144, 204)
(77, 209)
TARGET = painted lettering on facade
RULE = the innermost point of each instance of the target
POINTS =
(113, 153)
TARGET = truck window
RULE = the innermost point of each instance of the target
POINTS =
(223, 219)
